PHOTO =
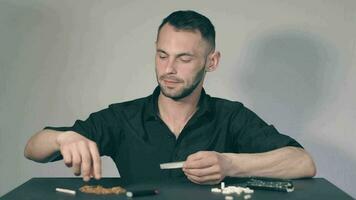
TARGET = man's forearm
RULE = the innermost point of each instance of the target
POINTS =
(42, 146)
(286, 162)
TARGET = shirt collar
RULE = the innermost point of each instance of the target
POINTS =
(151, 110)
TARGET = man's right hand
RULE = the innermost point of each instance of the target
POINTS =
(80, 153)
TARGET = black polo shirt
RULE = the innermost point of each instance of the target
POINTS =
(135, 137)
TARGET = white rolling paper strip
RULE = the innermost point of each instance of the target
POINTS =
(172, 165)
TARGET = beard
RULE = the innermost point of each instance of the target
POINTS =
(181, 92)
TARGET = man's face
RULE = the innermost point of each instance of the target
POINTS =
(181, 57)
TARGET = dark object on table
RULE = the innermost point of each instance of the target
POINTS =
(280, 185)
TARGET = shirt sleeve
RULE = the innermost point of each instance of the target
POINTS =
(253, 135)
(100, 127)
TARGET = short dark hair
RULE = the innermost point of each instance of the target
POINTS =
(191, 21)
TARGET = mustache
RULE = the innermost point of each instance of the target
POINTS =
(170, 78)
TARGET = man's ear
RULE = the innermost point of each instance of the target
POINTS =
(213, 61)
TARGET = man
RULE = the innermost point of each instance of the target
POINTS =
(216, 138)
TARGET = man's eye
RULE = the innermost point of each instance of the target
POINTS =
(162, 56)
(186, 60)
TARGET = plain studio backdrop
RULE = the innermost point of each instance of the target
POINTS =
(292, 62)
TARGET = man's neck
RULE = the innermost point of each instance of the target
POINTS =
(176, 113)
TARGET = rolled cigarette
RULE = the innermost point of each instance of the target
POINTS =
(172, 165)
(67, 191)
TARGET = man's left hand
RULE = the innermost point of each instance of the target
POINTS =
(207, 167)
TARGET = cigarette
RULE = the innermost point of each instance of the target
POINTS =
(67, 191)
(172, 165)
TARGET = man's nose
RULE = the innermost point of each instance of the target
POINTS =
(171, 67)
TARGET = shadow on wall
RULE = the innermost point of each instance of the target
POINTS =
(288, 78)
(283, 74)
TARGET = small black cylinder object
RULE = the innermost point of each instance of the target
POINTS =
(141, 193)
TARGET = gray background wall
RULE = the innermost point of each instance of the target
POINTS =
(292, 62)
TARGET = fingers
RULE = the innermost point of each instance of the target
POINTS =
(198, 164)
(210, 175)
(198, 155)
(210, 179)
(96, 160)
(76, 162)
(203, 171)
(204, 167)
(84, 158)
(200, 160)
(67, 157)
